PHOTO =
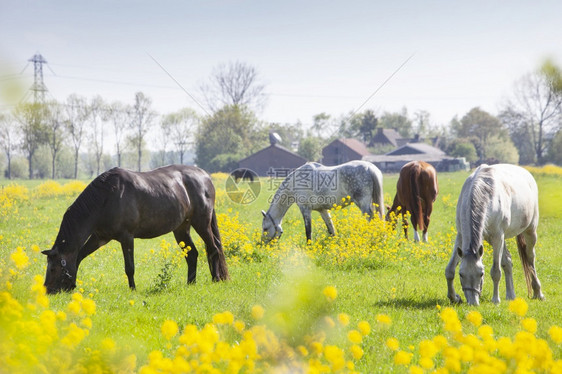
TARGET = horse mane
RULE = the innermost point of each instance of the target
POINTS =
(87, 204)
(480, 197)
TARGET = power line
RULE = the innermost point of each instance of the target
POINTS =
(179, 84)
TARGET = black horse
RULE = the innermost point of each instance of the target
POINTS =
(123, 205)
(244, 174)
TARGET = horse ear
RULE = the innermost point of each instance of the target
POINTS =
(481, 250)
(50, 252)
(264, 213)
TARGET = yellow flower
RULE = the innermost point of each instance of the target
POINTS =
(393, 344)
(364, 327)
(302, 350)
(354, 336)
(89, 306)
(20, 259)
(239, 326)
(555, 333)
(87, 322)
(475, 318)
(518, 306)
(169, 329)
(257, 312)
(383, 319)
(415, 370)
(486, 332)
(74, 307)
(529, 324)
(356, 351)
(428, 348)
(224, 318)
(402, 358)
(343, 319)
(131, 302)
(108, 345)
(330, 292)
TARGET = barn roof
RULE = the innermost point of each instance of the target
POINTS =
(416, 148)
(274, 147)
(355, 145)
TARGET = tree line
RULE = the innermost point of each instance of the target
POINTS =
(82, 137)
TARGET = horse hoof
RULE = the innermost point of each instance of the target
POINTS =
(456, 300)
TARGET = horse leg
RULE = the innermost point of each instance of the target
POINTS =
(498, 244)
(128, 248)
(93, 243)
(182, 235)
(414, 219)
(426, 219)
(404, 224)
(391, 210)
(530, 237)
(208, 231)
(306, 215)
(366, 206)
(328, 221)
(450, 272)
(507, 266)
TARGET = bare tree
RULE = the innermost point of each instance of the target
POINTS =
(97, 119)
(141, 121)
(31, 118)
(77, 112)
(181, 127)
(235, 83)
(120, 117)
(54, 130)
(534, 111)
(8, 139)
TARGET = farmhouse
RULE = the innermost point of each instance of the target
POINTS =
(395, 159)
(274, 160)
(343, 150)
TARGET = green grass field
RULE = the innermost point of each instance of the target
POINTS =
(410, 291)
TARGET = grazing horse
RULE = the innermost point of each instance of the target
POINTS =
(244, 174)
(317, 187)
(123, 205)
(496, 203)
(416, 191)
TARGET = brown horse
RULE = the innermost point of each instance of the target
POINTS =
(416, 191)
(123, 205)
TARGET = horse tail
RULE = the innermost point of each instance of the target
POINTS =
(415, 198)
(378, 195)
(222, 269)
(528, 268)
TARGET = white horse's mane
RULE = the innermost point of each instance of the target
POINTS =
(480, 196)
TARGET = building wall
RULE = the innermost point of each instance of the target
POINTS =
(338, 153)
(272, 161)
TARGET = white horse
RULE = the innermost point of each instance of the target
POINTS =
(496, 203)
(317, 187)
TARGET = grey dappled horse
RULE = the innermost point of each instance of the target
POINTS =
(496, 203)
(317, 187)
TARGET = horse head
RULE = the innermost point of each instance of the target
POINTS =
(61, 272)
(270, 229)
(471, 272)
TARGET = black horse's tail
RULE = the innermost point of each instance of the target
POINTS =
(222, 269)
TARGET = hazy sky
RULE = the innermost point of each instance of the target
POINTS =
(314, 56)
